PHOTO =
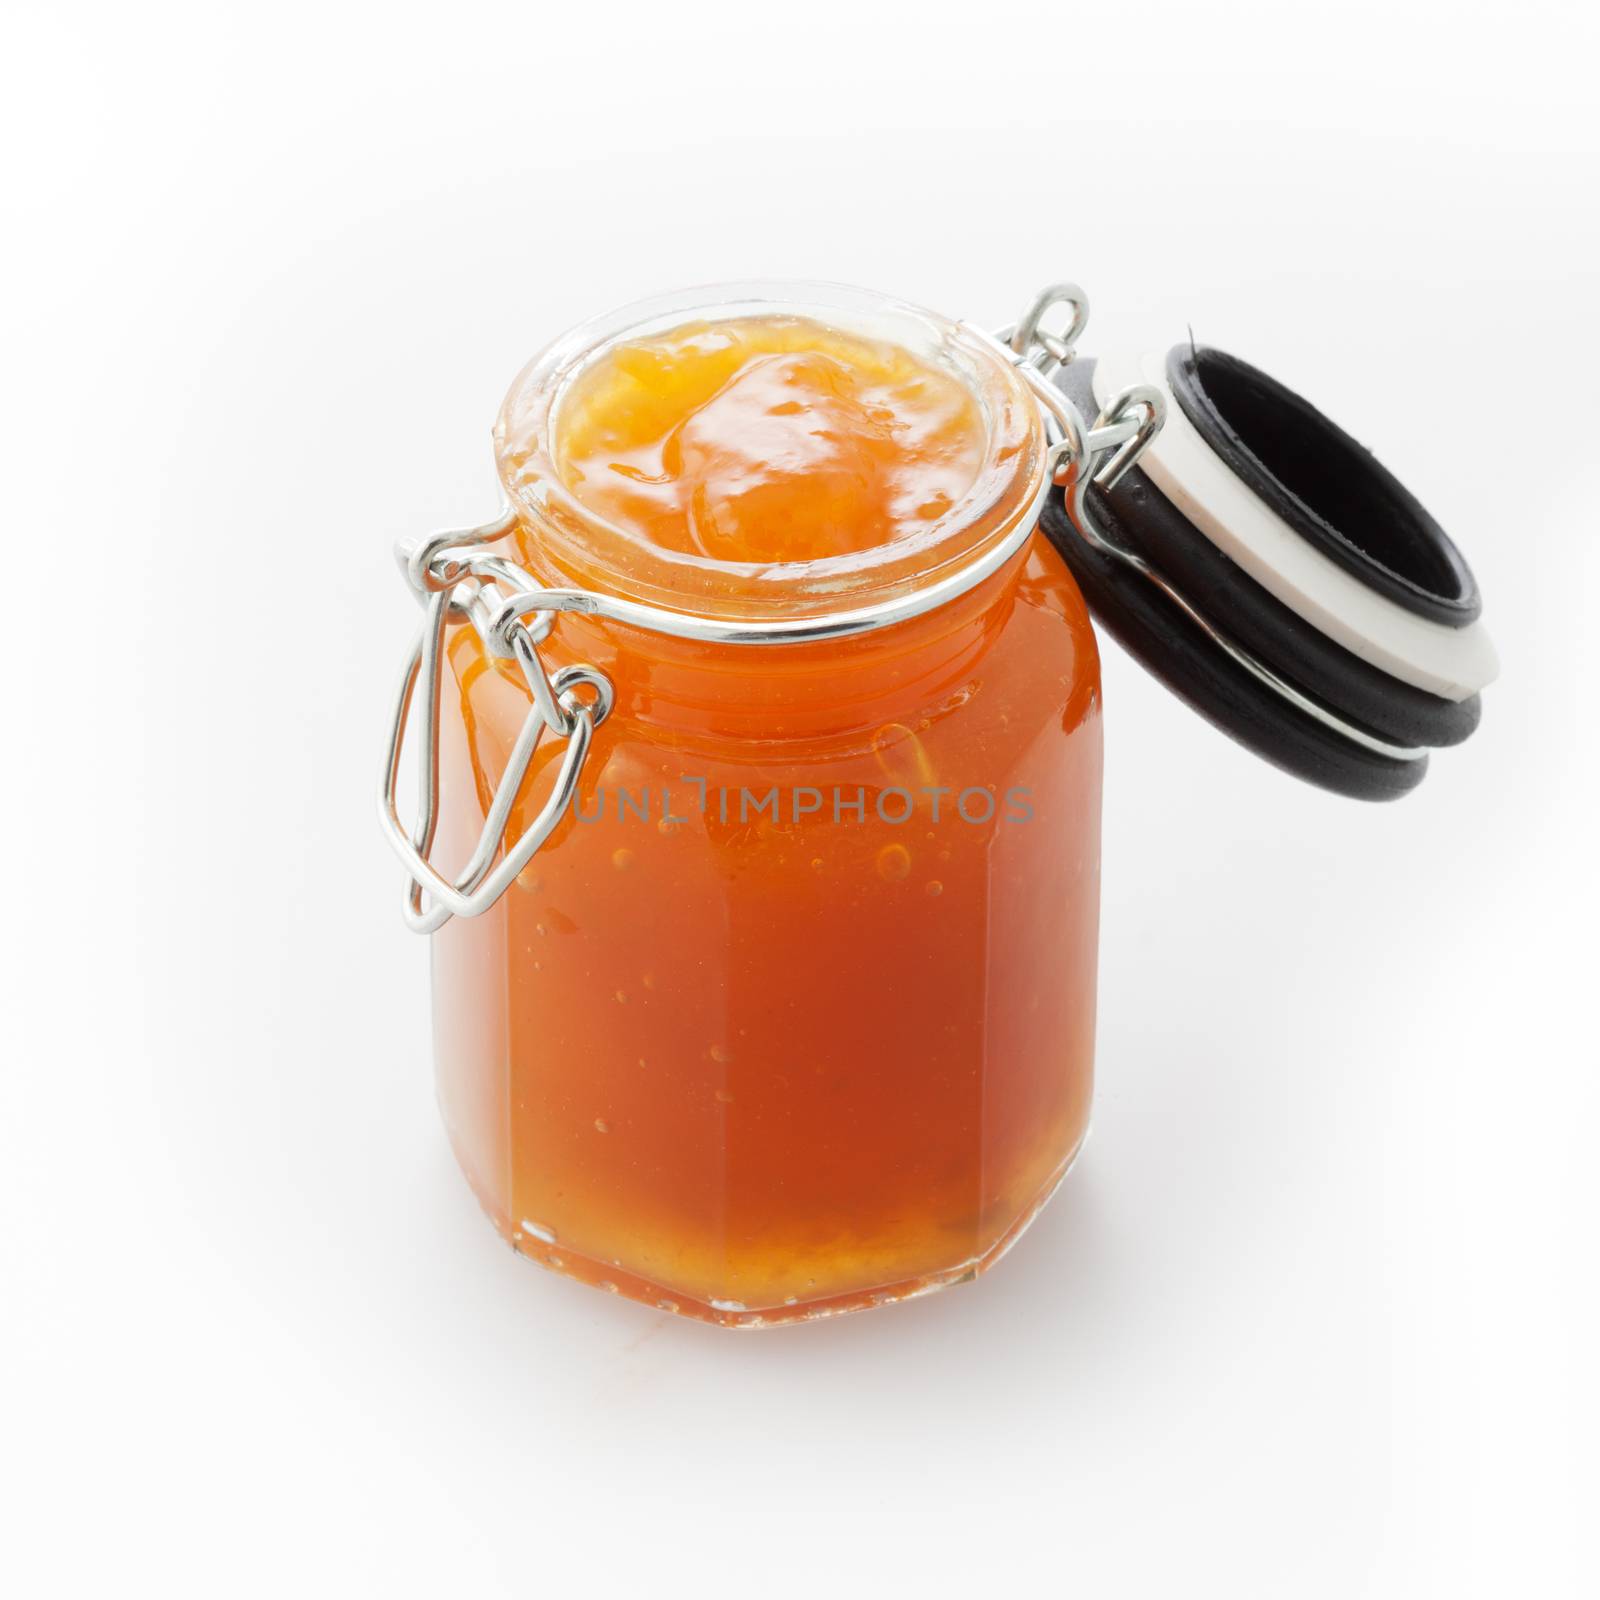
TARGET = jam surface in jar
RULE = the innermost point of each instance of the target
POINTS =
(794, 1011)
(768, 439)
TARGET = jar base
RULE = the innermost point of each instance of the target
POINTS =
(613, 1279)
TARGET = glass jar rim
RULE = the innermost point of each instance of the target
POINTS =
(989, 518)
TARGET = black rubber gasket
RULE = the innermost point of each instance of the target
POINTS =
(1326, 485)
(1229, 598)
(1158, 634)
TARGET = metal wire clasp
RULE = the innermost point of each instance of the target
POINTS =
(1080, 453)
(455, 575)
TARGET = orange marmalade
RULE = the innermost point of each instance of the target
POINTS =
(794, 1011)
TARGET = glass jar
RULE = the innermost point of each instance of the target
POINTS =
(793, 1010)
(767, 988)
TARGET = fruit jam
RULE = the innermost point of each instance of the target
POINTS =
(768, 439)
(794, 1011)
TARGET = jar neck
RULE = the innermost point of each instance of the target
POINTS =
(1007, 463)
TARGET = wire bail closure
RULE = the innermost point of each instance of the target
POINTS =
(462, 580)
(458, 577)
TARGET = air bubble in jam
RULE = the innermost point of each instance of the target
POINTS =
(894, 863)
(869, 1041)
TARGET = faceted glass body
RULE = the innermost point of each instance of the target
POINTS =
(794, 1012)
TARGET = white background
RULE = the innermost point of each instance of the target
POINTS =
(1317, 1313)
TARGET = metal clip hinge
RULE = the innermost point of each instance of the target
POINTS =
(462, 580)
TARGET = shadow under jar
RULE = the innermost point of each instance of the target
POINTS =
(793, 1012)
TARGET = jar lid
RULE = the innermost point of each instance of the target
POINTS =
(1275, 575)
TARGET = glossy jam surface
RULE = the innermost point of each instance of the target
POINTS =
(768, 439)
(794, 1013)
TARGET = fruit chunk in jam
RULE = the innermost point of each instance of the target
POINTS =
(768, 439)
(795, 1013)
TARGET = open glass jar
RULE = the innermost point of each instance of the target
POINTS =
(767, 987)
